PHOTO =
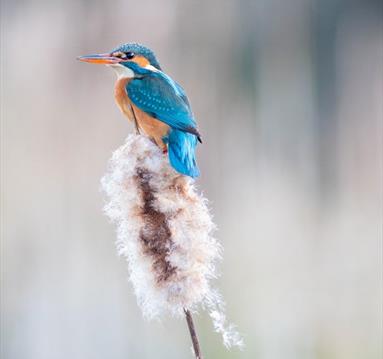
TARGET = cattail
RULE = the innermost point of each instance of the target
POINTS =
(165, 232)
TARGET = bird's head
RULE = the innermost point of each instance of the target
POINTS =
(129, 60)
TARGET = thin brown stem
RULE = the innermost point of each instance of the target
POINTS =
(193, 334)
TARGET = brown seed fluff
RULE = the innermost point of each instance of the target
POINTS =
(155, 237)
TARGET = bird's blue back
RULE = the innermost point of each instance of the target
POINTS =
(162, 98)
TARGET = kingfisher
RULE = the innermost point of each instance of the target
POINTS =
(157, 105)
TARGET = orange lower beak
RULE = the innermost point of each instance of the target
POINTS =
(104, 59)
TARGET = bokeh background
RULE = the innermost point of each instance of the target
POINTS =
(288, 97)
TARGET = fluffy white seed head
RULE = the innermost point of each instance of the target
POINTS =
(165, 232)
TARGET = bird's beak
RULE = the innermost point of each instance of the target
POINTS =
(105, 59)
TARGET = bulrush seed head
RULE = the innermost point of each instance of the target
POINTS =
(165, 232)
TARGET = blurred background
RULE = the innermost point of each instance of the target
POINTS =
(288, 97)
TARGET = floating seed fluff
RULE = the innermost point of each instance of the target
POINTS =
(165, 232)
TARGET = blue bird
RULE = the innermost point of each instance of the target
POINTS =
(154, 102)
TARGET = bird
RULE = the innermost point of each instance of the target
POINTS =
(157, 105)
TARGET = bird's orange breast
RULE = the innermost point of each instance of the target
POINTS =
(122, 99)
(150, 125)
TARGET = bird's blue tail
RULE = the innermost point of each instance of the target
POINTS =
(181, 148)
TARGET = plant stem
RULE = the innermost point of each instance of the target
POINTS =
(193, 334)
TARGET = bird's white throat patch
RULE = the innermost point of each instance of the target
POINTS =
(122, 71)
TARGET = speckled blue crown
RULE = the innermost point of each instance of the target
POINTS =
(139, 50)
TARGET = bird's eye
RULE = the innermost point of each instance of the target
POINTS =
(129, 55)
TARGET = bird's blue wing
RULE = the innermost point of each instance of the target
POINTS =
(161, 97)
(183, 95)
